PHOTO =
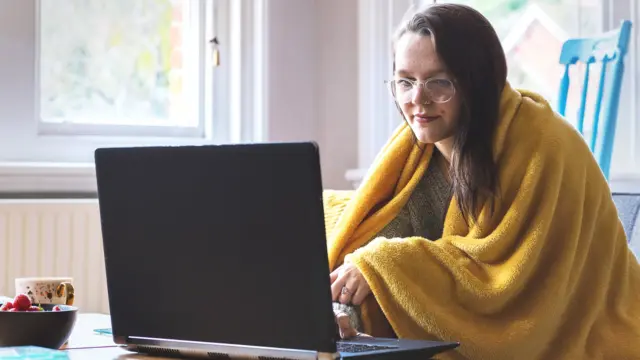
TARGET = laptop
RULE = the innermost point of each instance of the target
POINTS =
(219, 251)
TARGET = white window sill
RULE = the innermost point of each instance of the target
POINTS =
(38, 178)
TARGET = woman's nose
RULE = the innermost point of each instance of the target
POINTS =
(420, 95)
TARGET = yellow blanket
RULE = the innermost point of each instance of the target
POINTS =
(549, 276)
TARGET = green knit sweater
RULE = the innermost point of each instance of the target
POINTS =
(423, 215)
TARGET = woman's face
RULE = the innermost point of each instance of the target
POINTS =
(431, 108)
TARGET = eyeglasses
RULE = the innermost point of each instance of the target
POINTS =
(436, 90)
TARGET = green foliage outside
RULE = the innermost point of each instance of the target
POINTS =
(105, 59)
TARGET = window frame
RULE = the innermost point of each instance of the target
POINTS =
(625, 165)
(35, 163)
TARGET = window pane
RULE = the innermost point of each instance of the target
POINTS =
(113, 62)
(532, 33)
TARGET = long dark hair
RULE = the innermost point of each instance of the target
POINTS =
(470, 48)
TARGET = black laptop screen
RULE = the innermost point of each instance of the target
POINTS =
(221, 244)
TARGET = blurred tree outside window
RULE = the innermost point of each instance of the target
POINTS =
(116, 62)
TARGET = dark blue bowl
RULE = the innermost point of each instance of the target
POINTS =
(50, 329)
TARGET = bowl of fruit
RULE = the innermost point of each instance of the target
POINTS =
(23, 323)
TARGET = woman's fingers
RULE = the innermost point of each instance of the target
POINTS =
(344, 326)
(336, 286)
(345, 295)
(361, 293)
(348, 286)
(334, 274)
(348, 290)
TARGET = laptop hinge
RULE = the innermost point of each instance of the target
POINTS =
(120, 340)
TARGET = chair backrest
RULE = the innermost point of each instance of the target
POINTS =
(607, 50)
(628, 205)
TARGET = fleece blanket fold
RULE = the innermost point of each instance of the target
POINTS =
(548, 276)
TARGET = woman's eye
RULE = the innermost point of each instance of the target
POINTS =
(441, 82)
(406, 84)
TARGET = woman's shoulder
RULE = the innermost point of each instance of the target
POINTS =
(538, 128)
(540, 141)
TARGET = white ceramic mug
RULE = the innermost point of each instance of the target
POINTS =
(47, 290)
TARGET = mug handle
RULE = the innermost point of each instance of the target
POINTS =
(66, 288)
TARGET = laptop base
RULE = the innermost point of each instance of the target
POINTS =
(379, 349)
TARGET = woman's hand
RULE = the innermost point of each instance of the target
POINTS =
(348, 286)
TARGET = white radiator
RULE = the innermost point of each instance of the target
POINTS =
(54, 238)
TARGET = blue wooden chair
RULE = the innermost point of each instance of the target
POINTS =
(607, 50)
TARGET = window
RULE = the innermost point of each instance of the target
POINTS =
(122, 67)
(82, 74)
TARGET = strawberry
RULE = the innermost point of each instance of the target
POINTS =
(15, 309)
(21, 302)
(35, 308)
(57, 308)
(6, 306)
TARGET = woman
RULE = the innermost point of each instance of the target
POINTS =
(485, 219)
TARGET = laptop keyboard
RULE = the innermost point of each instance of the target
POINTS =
(346, 347)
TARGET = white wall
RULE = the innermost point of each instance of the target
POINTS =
(292, 60)
(312, 64)
(338, 96)
(17, 46)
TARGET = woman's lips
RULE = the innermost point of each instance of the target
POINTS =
(425, 119)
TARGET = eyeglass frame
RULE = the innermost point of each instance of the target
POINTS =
(416, 84)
